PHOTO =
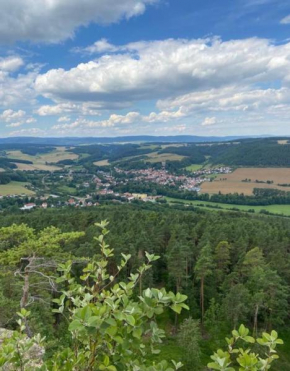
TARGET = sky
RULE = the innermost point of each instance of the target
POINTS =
(105, 68)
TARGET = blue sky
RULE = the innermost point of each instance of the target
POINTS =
(107, 68)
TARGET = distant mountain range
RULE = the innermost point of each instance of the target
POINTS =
(74, 141)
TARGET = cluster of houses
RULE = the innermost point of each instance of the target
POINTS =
(163, 177)
(70, 202)
(211, 171)
(140, 196)
(104, 183)
(78, 202)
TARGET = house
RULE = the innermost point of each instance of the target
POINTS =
(28, 206)
(44, 205)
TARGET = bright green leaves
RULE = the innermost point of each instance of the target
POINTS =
(270, 340)
(244, 359)
(151, 257)
(107, 322)
(130, 320)
(248, 361)
(221, 362)
(106, 366)
(178, 302)
(137, 333)
(155, 301)
(242, 333)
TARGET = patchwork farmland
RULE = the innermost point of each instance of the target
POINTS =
(244, 180)
(42, 162)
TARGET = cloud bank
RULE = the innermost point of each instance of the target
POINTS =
(56, 20)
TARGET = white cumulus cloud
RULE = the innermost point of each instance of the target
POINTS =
(15, 119)
(56, 20)
(163, 69)
(64, 119)
(10, 64)
(16, 86)
(209, 121)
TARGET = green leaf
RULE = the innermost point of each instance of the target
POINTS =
(75, 325)
(131, 320)
(249, 339)
(94, 321)
(137, 333)
(176, 308)
(112, 330)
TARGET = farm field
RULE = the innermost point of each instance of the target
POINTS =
(159, 157)
(233, 183)
(102, 163)
(59, 154)
(36, 166)
(15, 188)
(40, 161)
(273, 209)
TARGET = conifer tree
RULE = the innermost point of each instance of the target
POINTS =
(203, 268)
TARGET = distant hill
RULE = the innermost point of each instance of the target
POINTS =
(142, 138)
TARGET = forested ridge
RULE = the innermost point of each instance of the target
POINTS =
(233, 268)
(247, 152)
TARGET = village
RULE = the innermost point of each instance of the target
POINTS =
(163, 177)
(103, 185)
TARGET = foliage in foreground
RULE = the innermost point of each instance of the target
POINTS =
(111, 327)
(236, 357)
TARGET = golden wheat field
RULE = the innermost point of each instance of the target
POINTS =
(233, 183)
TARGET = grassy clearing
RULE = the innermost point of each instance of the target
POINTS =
(15, 188)
(210, 176)
(283, 142)
(233, 183)
(102, 163)
(160, 157)
(273, 209)
(194, 167)
(83, 155)
(67, 190)
(59, 154)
